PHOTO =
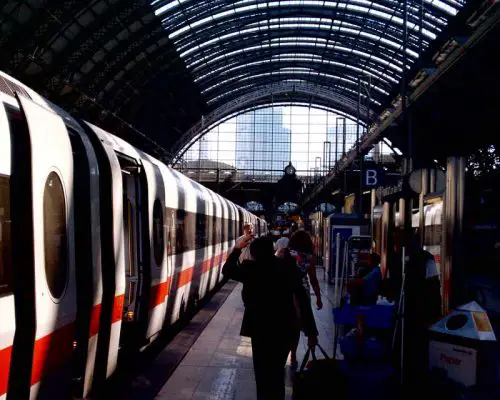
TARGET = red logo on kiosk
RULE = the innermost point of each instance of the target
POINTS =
(450, 360)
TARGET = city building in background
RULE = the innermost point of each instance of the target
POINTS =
(263, 143)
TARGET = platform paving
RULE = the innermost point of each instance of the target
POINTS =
(219, 364)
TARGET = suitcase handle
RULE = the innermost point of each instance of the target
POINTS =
(310, 351)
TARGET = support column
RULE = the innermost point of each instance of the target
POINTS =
(386, 246)
(424, 191)
(432, 180)
(373, 205)
(405, 205)
(452, 275)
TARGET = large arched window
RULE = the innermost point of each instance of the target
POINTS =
(259, 144)
(254, 206)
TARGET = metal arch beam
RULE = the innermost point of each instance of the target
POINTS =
(81, 49)
(314, 67)
(332, 83)
(299, 99)
(314, 91)
(140, 75)
(146, 66)
(120, 57)
(244, 91)
(162, 58)
(43, 26)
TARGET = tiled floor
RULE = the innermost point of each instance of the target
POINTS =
(219, 365)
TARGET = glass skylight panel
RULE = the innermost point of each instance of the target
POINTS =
(296, 44)
(209, 37)
(167, 7)
(443, 6)
(336, 5)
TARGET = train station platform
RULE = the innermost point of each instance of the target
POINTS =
(219, 363)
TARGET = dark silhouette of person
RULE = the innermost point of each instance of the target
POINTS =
(270, 319)
(422, 308)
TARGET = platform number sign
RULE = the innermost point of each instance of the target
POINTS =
(373, 178)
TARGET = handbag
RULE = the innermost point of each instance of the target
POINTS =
(317, 380)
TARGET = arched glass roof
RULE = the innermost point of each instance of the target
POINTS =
(235, 46)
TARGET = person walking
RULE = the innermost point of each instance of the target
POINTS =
(270, 285)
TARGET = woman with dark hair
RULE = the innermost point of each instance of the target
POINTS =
(300, 248)
(270, 285)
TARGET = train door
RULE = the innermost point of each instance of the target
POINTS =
(171, 241)
(88, 266)
(43, 250)
(7, 327)
(110, 314)
(157, 265)
(132, 244)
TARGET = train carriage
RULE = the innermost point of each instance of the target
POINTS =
(110, 245)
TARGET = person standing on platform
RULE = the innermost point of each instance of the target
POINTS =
(270, 285)
(281, 244)
(247, 236)
(300, 252)
(422, 309)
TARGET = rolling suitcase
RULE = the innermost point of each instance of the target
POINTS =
(315, 381)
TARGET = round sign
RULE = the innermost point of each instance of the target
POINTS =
(415, 179)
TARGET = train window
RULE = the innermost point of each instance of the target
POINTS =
(224, 230)
(179, 231)
(190, 231)
(158, 233)
(218, 231)
(5, 240)
(170, 231)
(55, 237)
(201, 231)
(128, 225)
(230, 230)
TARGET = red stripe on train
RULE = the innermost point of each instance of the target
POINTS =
(5, 355)
(162, 290)
(115, 316)
(53, 350)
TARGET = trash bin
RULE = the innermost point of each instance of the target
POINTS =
(463, 345)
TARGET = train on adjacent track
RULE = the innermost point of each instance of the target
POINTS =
(479, 238)
(102, 247)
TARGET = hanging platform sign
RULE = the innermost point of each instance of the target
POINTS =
(373, 178)
(398, 190)
(410, 185)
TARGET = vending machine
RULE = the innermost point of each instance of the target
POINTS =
(345, 225)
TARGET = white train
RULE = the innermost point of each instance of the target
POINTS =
(101, 246)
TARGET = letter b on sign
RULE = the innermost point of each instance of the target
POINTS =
(371, 178)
